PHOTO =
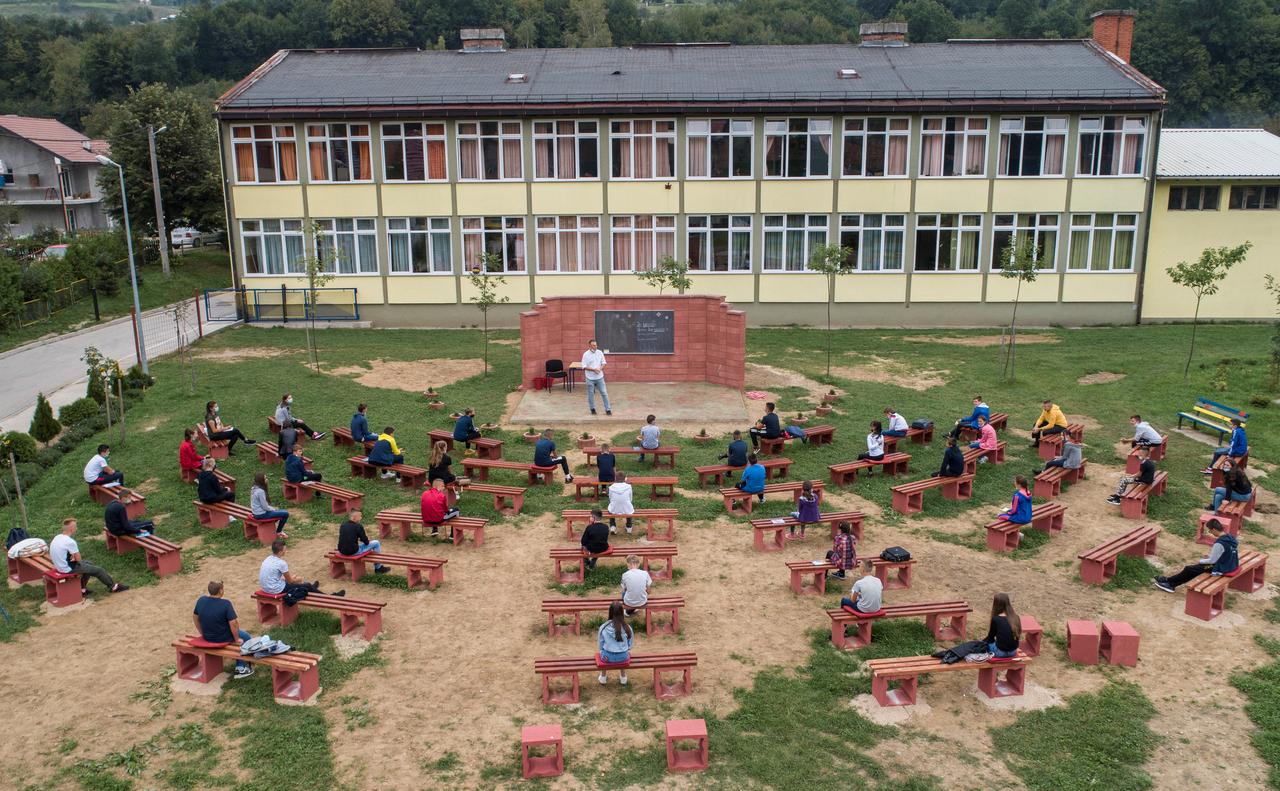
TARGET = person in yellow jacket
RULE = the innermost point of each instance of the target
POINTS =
(1051, 421)
(388, 434)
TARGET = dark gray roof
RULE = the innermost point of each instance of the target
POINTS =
(955, 71)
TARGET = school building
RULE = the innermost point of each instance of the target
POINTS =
(570, 170)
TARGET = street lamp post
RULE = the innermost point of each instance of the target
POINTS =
(133, 270)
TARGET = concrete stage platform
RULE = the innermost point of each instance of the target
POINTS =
(679, 404)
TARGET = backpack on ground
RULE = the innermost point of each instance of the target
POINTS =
(796, 432)
(895, 555)
(922, 423)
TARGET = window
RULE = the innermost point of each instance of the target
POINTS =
(1032, 146)
(566, 150)
(643, 149)
(265, 154)
(1254, 197)
(789, 240)
(1111, 145)
(500, 237)
(1041, 229)
(1193, 198)
(719, 242)
(797, 148)
(875, 147)
(413, 152)
(272, 247)
(490, 151)
(641, 240)
(349, 246)
(568, 244)
(875, 241)
(719, 148)
(1102, 242)
(947, 242)
(339, 152)
(953, 146)
(419, 245)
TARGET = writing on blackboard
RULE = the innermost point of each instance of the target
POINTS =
(636, 331)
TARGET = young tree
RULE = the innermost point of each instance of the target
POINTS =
(1273, 286)
(668, 273)
(98, 367)
(486, 287)
(318, 274)
(44, 426)
(1017, 262)
(831, 260)
(1203, 278)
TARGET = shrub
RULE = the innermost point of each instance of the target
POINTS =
(78, 411)
(1221, 379)
(47, 457)
(43, 425)
(1260, 401)
(135, 379)
(29, 473)
(37, 282)
(102, 259)
(10, 291)
(96, 390)
(22, 446)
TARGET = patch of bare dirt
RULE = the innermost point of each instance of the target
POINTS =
(414, 376)
(894, 372)
(976, 340)
(238, 354)
(506, 341)
(1100, 378)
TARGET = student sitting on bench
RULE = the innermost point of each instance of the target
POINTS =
(649, 434)
(753, 478)
(615, 641)
(98, 473)
(64, 554)
(980, 410)
(620, 504)
(875, 445)
(217, 431)
(544, 455)
(1235, 484)
(1238, 447)
(275, 578)
(295, 469)
(1005, 630)
(952, 461)
(808, 513)
(1146, 474)
(360, 426)
(464, 429)
(606, 464)
(284, 416)
(736, 456)
(439, 465)
(1224, 558)
(987, 440)
(635, 586)
(262, 508)
(1051, 421)
(768, 426)
(287, 441)
(1019, 511)
(435, 509)
(595, 537)
(189, 458)
(867, 593)
(1071, 457)
(116, 518)
(210, 490)
(1143, 433)
(842, 552)
(897, 423)
(385, 453)
(353, 540)
(217, 622)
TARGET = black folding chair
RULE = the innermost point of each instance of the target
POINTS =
(555, 370)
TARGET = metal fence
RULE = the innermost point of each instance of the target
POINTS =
(281, 304)
(173, 328)
(37, 310)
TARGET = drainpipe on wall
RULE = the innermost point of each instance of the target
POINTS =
(1146, 233)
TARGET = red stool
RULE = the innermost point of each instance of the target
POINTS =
(541, 765)
(1032, 635)
(694, 760)
(1119, 644)
(1082, 642)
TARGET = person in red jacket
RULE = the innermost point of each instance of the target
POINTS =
(435, 508)
(188, 457)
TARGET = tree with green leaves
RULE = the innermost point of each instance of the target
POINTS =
(1018, 261)
(368, 23)
(319, 269)
(1273, 286)
(668, 273)
(98, 367)
(592, 24)
(1203, 277)
(486, 293)
(44, 426)
(830, 260)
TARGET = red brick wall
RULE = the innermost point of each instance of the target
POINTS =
(710, 339)
(1113, 30)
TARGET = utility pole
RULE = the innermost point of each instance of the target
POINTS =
(155, 189)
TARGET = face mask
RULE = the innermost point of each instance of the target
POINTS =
(289, 400)
(217, 409)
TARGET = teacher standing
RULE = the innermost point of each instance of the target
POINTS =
(593, 364)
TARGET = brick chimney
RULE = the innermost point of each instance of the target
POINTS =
(483, 39)
(1113, 30)
(883, 34)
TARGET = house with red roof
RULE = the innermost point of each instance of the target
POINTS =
(50, 174)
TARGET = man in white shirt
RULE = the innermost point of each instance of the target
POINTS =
(1143, 433)
(274, 574)
(897, 424)
(593, 364)
(97, 472)
(620, 502)
(867, 593)
(64, 552)
(635, 586)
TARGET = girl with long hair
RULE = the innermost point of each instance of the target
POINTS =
(1006, 628)
(615, 640)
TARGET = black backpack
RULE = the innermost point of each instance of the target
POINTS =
(922, 423)
(895, 555)
(16, 534)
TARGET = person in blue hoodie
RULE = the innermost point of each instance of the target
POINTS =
(1238, 447)
(606, 464)
(360, 426)
(295, 469)
(753, 478)
(464, 430)
(544, 451)
(736, 455)
(1224, 558)
(980, 410)
(1019, 511)
(615, 639)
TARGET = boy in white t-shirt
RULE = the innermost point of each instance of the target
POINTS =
(649, 434)
(635, 586)
(64, 553)
(867, 593)
(620, 502)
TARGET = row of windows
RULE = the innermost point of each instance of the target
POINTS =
(716, 148)
(713, 243)
(1202, 198)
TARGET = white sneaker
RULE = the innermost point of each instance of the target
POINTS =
(388, 474)
(230, 519)
(568, 479)
(613, 530)
(603, 679)
(629, 530)
(622, 679)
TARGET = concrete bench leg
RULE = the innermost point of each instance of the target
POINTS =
(553, 696)
(1134, 507)
(162, 564)
(898, 581)
(215, 520)
(271, 612)
(817, 588)
(263, 532)
(337, 569)
(198, 666)
(1095, 572)
(1013, 684)
(1002, 541)
(1250, 581)
(678, 689)
(285, 686)
(776, 544)
(22, 573)
(667, 534)
(576, 576)
(860, 638)
(63, 592)
(372, 623)
(885, 695)
(1204, 606)
(666, 572)
(652, 626)
(557, 630)
(1032, 636)
(947, 627)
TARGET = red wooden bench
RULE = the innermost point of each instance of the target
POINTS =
(816, 573)
(1049, 482)
(218, 449)
(661, 487)
(341, 500)
(506, 499)
(1004, 536)
(667, 452)
(947, 620)
(269, 453)
(1051, 444)
(845, 473)
(1133, 463)
(60, 590)
(814, 435)
(777, 468)
(971, 456)
(478, 469)
(486, 447)
(163, 557)
(661, 553)
(342, 436)
(1206, 594)
(415, 567)
(219, 515)
(906, 671)
(998, 421)
(410, 477)
(295, 675)
(770, 534)
(737, 499)
(1231, 515)
(908, 498)
(273, 611)
(659, 523)
(404, 520)
(189, 476)
(568, 668)
(1219, 467)
(1133, 503)
(1098, 565)
(657, 605)
(106, 495)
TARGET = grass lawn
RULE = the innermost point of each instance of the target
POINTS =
(786, 723)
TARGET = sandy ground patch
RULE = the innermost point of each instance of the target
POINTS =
(1100, 378)
(239, 354)
(976, 340)
(895, 372)
(763, 377)
(413, 376)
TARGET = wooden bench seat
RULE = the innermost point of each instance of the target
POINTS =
(770, 534)
(163, 557)
(667, 452)
(908, 498)
(189, 476)
(947, 620)
(1132, 463)
(1098, 565)
(1206, 594)
(998, 421)
(737, 499)
(1133, 503)
(219, 515)
(846, 472)
(478, 469)
(217, 449)
(60, 590)
(657, 605)
(486, 447)
(269, 453)
(809, 578)
(352, 613)
(661, 487)
(410, 477)
(1231, 514)
(1004, 536)
(342, 436)
(776, 468)
(341, 500)
(1218, 476)
(568, 668)
(659, 523)
(814, 435)
(506, 499)
(659, 553)
(106, 495)
(971, 456)
(295, 675)
(415, 566)
(906, 671)
(1049, 482)
(403, 520)
(1051, 444)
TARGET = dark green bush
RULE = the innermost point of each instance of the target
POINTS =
(78, 411)
(1260, 401)
(22, 446)
(29, 473)
(37, 282)
(43, 425)
(47, 457)
(135, 379)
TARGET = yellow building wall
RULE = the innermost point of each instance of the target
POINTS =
(797, 196)
(1108, 194)
(1182, 235)
(421, 289)
(1029, 195)
(951, 195)
(265, 202)
(628, 283)
(492, 199)
(342, 200)
(871, 287)
(368, 288)
(516, 289)
(1099, 287)
(793, 287)
(735, 288)
(568, 198)
(718, 197)
(645, 197)
(946, 288)
(417, 200)
(1044, 289)
(873, 195)
(548, 285)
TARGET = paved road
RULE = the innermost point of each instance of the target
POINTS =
(54, 366)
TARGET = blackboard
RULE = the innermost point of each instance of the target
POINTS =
(636, 331)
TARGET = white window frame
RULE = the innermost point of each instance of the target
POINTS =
(436, 227)
(895, 126)
(1088, 224)
(509, 229)
(582, 227)
(1015, 128)
(815, 129)
(328, 140)
(1120, 138)
(1040, 227)
(583, 130)
(703, 129)
(964, 225)
(329, 231)
(276, 137)
(286, 229)
(425, 138)
(971, 127)
(877, 226)
(663, 225)
(473, 131)
(809, 226)
(701, 232)
(624, 129)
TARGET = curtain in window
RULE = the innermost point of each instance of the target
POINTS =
(975, 156)
(569, 251)
(664, 160)
(740, 252)
(930, 155)
(773, 250)
(368, 245)
(273, 255)
(968, 251)
(287, 156)
(515, 252)
(666, 244)
(364, 161)
(773, 156)
(1053, 157)
(1132, 152)
(472, 249)
(441, 254)
(795, 251)
(542, 158)
(644, 245)
(319, 162)
(546, 252)
(590, 251)
(244, 163)
(1100, 256)
(621, 157)
(697, 157)
(898, 156)
(1002, 166)
(399, 249)
(469, 159)
(253, 255)
(511, 167)
(622, 251)
(642, 150)
(566, 148)
(1078, 257)
(414, 167)
(1124, 250)
(435, 159)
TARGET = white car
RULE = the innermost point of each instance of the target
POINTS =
(185, 237)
